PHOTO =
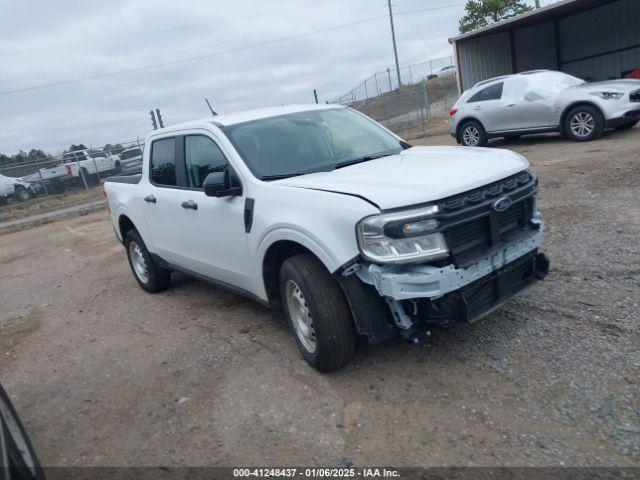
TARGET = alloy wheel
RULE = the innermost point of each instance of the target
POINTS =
(582, 124)
(471, 136)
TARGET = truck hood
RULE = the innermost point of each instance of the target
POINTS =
(417, 175)
(624, 85)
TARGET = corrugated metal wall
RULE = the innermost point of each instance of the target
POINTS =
(484, 57)
(594, 44)
(536, 47)
(605, 29)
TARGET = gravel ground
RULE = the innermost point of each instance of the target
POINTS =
(104, 374)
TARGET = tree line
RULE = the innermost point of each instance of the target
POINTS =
(36, 155)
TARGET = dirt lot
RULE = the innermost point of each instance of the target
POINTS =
(104, 374)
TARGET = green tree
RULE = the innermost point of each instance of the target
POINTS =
(480, 13)
(73, 148)
(113, 149)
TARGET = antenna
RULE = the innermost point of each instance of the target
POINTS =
(213, 112)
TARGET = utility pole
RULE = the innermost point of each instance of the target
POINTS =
(393, 37)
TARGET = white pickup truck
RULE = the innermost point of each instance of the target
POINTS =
(323, 212)
(88, 162)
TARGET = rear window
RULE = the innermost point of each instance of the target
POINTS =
(493, 92)
(163, 162)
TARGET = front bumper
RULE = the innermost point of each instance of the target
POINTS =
(426, 281)
(627, 117)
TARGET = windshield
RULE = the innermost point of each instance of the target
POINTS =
(311, 141)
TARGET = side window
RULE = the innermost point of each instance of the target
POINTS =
(202, 157)
(493, 92)
(163, 162)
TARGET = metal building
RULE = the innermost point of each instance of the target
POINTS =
(591, 39)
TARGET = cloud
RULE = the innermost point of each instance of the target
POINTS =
(45, 42)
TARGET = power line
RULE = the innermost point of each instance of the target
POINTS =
(431, 9)
(189, 59)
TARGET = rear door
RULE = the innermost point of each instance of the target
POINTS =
(485, 106)
(161, 203)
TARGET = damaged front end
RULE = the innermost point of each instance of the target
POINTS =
(491, 236)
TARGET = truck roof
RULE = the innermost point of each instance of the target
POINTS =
(228, 119)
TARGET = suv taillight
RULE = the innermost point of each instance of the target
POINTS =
(453, 111)
(68, 167)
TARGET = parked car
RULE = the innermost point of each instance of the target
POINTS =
(543, 101)
(327, 214)
(18, 460)
(87, 162)
(448, 71)
(131, 157)
(15, 188)
(54, 178)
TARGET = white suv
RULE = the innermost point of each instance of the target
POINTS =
(543, 101)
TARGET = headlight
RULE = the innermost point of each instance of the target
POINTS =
(402, 237)
(607, 95)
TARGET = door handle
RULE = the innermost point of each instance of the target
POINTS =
(478, 108)
(150, 199)
(511, 105)
(190, 205)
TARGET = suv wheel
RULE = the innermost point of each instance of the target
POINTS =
(584, 123)
(472, 134)
(318, 313)
(149, 276)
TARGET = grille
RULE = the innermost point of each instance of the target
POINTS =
(635, 96)
(473, 228)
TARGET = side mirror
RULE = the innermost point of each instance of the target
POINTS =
(219, 184)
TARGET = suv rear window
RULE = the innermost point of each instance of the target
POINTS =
(492, 92)
(163, 162)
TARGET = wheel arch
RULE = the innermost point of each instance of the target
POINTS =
(579, 103)
(274, 257)
(125, 224)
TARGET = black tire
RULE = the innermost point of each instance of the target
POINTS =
(118, 167)
(330, 318)
(3, 201)
(156, 279)
(592, 119)
(473, 130)
(22, 194)
(22, 458)
(627, 126)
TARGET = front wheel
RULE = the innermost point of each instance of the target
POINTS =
(584, 123)
(473, 134)
(318, 313)
(149, 276)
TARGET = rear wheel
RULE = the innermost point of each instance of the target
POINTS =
(584, 123)
(472, 134)
(318, 313)
(149, 276)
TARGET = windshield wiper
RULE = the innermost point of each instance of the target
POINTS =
(366, 158)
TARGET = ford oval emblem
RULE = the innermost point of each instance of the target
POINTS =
(502, 204)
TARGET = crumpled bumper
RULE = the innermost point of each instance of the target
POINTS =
(424, 281)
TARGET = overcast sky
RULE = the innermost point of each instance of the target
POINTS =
(46, 42)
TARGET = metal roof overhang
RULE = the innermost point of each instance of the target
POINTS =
(554, 11)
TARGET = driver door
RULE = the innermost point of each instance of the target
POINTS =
(215, 229)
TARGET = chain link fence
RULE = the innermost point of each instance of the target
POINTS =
(428, 89)
(31, 185)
